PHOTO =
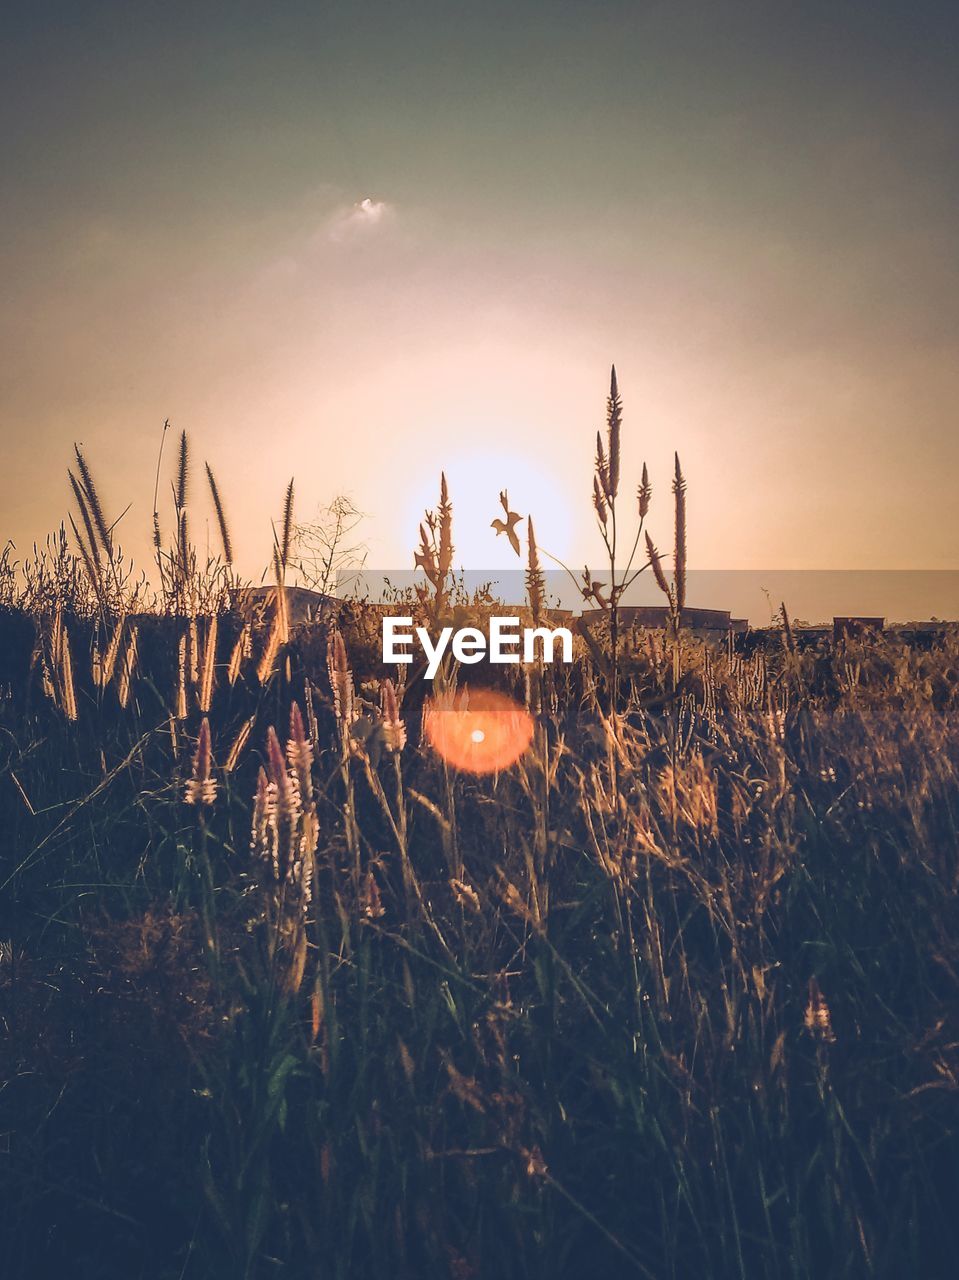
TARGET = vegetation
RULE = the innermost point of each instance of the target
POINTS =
(282, 993)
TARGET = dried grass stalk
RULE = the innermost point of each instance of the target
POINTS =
(225, 538)
(679, 559)
(66, 675)
(239, 742)
(535, 585)
(267, 661)
(614, 422)
(128, 666)
(241, 650)
(209, 665)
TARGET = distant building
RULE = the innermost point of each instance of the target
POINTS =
(655, 617)
(844, 628)
(303, 604)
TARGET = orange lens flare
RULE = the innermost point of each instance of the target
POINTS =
(478, 730)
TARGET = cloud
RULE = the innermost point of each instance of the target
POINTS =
(322, 237)
(359, 219)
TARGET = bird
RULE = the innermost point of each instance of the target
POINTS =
(508, 526)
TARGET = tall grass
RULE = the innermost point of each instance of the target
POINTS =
(282, 993)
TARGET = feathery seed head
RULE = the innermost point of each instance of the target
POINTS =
(535, 586)
(287, 536)
(599, 501)
(263, 832)
(182, 472)
(341, 680)
(644, 494)
(614, 421)
(394, 729)
(446, 531)
(656, 562)
(201, 787)
(602, 466)
(818, 1019)
(225, 538)
(679, 557)
(299, 755)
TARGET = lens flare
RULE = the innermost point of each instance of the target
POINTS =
(478, 730)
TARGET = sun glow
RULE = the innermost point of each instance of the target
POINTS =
(478, 730)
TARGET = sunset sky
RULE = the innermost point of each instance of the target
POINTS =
(362, 242)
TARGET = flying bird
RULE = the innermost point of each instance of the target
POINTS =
(508, 526)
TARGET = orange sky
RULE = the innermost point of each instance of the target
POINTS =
(753, 213)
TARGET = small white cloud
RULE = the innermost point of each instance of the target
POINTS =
(359, 219)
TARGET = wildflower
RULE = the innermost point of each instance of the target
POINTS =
(263, 834)
(341, 680)
(302, 876)
(287, 805)
(465, 895)
(371, 904)
(299, 755)
(394, 729)
(201, 787)
(286, 800)
(818, 1019)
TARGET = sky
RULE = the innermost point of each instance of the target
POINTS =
(359, 243)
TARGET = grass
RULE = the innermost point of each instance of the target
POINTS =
(677, 995)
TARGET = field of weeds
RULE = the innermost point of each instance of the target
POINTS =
(284, 992)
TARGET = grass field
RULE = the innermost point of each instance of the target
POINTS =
(284, 993)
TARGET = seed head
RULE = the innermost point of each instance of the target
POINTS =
(201, 787)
